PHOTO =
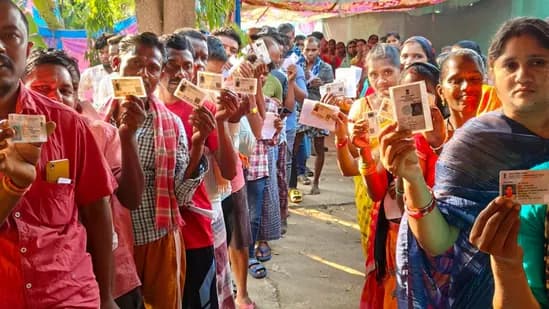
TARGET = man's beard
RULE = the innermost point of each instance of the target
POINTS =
(6, 87)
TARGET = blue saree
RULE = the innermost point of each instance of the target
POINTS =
(467, 176)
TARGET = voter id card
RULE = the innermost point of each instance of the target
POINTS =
(241, 85)
(190, 93)
(28, 128)
(126, 86)
(261, 51)
(210, 81)
(525, 186)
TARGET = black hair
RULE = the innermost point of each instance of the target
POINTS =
(115, 39)
(21, 14)
(177, 42)
(299, 37)
(462, 52)
(469, 44)
(361, 40)
(383, 39)
(384, 51)
(425, 69)
(395, 34)
(318, 35)
(216, 51)
(373, 36)
(101, 41)
(313, 39)
(149, 39)
(535, 27)
(191, 33)
(430, 74)
(286, 28)
(351, 41)
(230, 33)
(54, 57)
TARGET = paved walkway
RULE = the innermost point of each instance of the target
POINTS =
(319, 263)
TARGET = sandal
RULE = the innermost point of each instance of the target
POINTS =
(304, 180)
(263, 252)
(256, 269)
(295, 196)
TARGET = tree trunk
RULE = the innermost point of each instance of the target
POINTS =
(164, 16)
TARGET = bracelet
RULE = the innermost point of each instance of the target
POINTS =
(13, 189)
(418, 213)
(398, 191)
(342, 143)
(367, 168)
(435, 149)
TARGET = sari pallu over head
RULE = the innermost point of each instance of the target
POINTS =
(467, 179)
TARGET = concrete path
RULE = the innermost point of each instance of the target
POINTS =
(319, 262)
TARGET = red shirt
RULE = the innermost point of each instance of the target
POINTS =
(43, 260)
(125, 272)
(197, 231)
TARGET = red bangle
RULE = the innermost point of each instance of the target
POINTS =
(341, 144)
(418, 213)
(11, 188)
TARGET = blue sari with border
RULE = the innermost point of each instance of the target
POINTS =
(467, 179)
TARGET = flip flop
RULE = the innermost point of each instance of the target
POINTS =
(295, 196)
(256, 269)
(263, 253)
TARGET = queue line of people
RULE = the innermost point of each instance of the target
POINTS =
(164, 204)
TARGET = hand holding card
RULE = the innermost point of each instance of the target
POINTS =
(411, 108)
(318, 115)
(18, 160)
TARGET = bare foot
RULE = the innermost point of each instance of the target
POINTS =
(244, 303)
(315, 190)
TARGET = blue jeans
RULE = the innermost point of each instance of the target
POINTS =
(256, 190)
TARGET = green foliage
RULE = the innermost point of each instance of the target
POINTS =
(213, 14)
(47, 11)
(95, 15)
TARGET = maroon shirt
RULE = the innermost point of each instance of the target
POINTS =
(43, 259)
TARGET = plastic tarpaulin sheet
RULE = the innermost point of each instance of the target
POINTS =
(344, 6)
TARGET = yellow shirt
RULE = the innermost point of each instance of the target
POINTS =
(489, 101)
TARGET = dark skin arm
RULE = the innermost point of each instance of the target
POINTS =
(130, 178)
(96, 218)
(203, 123)
(18, 163)
(225, 155)
(495, 232)
(289, 102)
(377, 182)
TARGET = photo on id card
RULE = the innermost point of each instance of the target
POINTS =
(525, 186)
(411, 107)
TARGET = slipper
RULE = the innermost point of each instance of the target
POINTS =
(256, 269)
(263, 252)
(295, 196)
(304, 180)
